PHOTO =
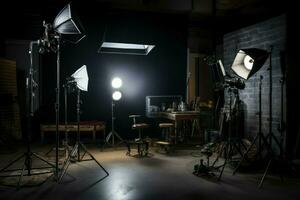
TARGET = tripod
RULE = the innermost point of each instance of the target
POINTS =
(282, 158)
(67, 148)
(30, 85)
(230, 143)
(259, 136)
(78, 146)
(67, 86)
(113, 133)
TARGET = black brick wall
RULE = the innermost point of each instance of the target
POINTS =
(262, 35)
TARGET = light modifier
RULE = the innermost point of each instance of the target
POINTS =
(68, 24)
(248, 61)
(81, 78)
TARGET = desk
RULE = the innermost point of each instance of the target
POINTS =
(179, 116)
(90, 127)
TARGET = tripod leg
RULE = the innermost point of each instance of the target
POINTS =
(269, 147)
(119, 137)
(279, 145)
(219, 154)
(242, 143)
(108, 137)
(228, 148)
(266, 171)
(67, 162)
(243, 158)
(21, 176)
(238, 150)
(51, 149)
(28, 163)
(11, 163)
(39, 157)
(65, 168)
(93, 158)
(82, 156)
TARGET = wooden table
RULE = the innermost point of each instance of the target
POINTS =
(180, 116)
(89, 127)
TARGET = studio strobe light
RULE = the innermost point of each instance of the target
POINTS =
(80, 80)
(116, 83)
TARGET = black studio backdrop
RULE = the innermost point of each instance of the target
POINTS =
(161, 72)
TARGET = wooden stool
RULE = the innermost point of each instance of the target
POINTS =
(166, 130)
(140, 127)
(142, 145)
(166, 143)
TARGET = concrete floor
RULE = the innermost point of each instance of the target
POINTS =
(158, 176)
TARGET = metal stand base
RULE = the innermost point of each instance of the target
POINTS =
(111, 136)
(26, 166)
(72, 158)
(259, 137)
(280, 161)
(227, 147)
(77, 147)
(203, 170)
(112, 133)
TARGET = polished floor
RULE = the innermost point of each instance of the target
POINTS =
(158, 176)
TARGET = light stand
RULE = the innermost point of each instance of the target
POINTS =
(67, 148)
(259, 136)
(64, 25)
(230, 142)
(81, 79)
(246, 63)
(57, 107)
(282, 125)
(116, 96)
(113, 133)
(30, 85)
(48, 46)
(270, 135)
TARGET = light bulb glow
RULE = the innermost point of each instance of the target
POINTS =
(116, 82)
(117, 95)
(248, 62)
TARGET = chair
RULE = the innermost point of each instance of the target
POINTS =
(141, 143)
(167, 137)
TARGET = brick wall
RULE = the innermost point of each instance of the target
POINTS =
(262, 36)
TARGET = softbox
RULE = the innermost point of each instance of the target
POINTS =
(248, 61)
(81, 78)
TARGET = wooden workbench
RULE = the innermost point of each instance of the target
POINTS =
(176, 117)
(87, 127)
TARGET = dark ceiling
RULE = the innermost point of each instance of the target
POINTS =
(20, 19)
(195, 9)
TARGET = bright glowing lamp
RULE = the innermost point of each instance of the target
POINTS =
(117, 95)
(116, 82)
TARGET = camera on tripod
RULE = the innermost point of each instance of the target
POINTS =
(234, 83)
